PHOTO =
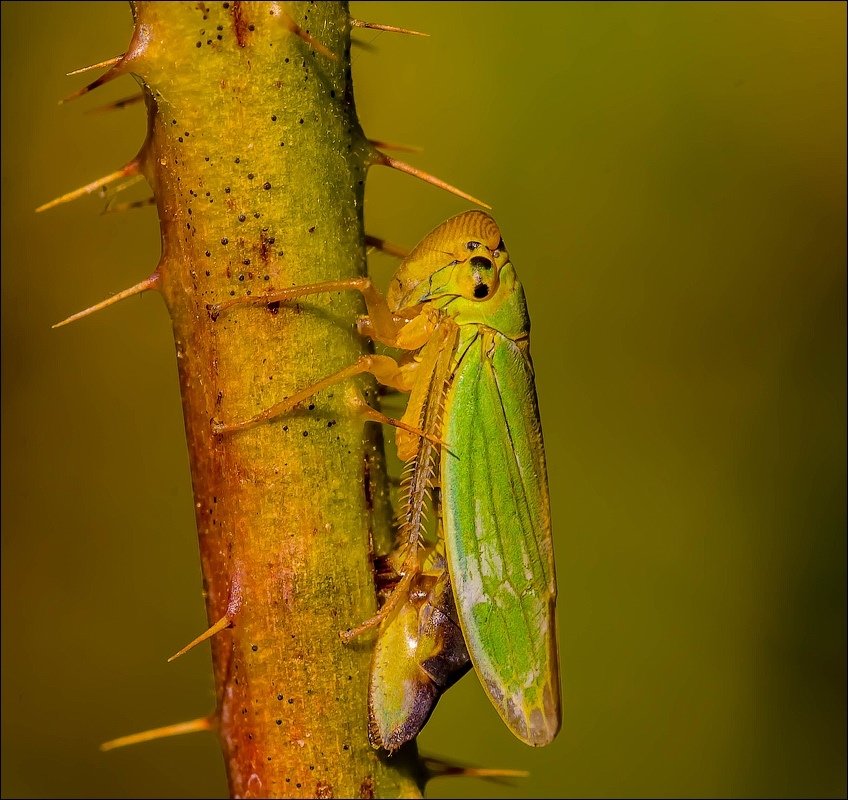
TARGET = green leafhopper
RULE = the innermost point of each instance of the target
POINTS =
(472, 425)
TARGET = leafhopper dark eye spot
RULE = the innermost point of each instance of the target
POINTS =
(472, 245)
(481, 290)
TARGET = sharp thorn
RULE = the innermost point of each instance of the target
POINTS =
(109, 62)
(120, 65)
(439, 768)
(376, 26)
(290, 23)
(133, 168)
(233, 608)
(192, 726)
(385, 247)
(367, 46)
(126, 184)
(221, 624)
(115, 71)
(124, 102)
(402, 166)
(115, 208)
(145, 285)
(403, 148)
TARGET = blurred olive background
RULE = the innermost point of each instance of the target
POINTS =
(670, 180)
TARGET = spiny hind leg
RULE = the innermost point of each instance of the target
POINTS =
(399, 593)
(410, 569)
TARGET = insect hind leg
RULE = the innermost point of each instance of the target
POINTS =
(397, 596)
(410, 569)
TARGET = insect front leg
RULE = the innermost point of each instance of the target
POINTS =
(382, 325)
(385, 369)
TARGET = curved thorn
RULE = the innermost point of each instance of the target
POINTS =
(376, 26)
(221, 624)
(124, 102)
(148, 283)
(109, 62)
(201, 724)
(290, 23)
(403, 148)
(385, 247)
(133, 168)
(115, 208)
(402, 166)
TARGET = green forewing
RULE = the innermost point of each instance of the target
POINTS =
(498, 534)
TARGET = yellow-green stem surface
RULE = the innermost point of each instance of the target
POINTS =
(258, 165)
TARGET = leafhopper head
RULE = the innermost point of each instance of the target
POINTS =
(430, 268)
